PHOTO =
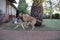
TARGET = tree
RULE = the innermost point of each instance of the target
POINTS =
(22, 6)
(51, 7)
(58, 6)
(53, 4)
(48, 8)
(37, 10)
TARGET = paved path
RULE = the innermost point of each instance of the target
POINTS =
(29, 35)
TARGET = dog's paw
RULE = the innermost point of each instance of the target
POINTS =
(23, 28)
(16, 27)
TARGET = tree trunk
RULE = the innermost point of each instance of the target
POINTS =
(37, 12)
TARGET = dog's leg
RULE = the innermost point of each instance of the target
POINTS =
(32, 24)
(22, 26)
(25, 24)
(16, 27)
(28, 23)
(32, 27)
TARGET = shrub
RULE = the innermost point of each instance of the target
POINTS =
(57, 16)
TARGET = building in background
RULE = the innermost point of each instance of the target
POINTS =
(8, 10)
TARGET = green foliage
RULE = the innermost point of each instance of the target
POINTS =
(22, 6)
(57, 16)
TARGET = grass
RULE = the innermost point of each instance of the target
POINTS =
(48, 24)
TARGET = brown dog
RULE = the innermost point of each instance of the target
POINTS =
(28, 19)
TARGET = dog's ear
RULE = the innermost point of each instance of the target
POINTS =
(20, 14)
